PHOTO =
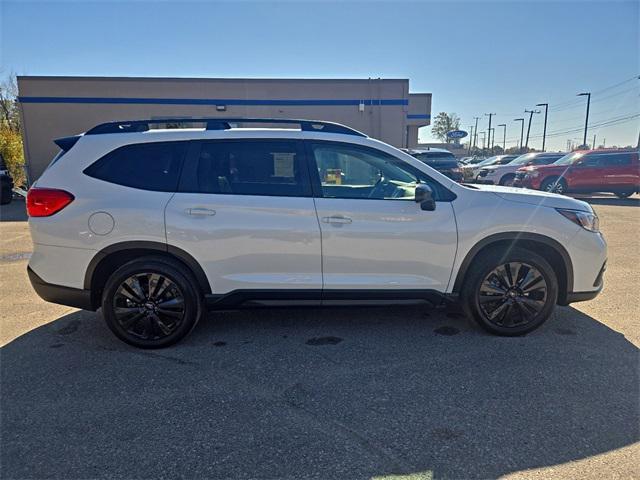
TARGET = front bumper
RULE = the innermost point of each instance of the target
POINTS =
(72, 297)
(485, 181)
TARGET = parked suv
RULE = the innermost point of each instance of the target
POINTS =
(440, 159)
(505, 174)
(615, 170)
(6, 183)
(157, 225)
(471, 171)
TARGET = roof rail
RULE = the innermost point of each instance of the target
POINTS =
(213, 123)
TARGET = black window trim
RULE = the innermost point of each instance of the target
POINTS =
(190, 165)
(316, 184)
(181, 163)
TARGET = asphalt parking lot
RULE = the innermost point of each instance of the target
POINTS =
(403, 392)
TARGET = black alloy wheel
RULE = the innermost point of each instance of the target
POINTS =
(149, 306)
(153, 302)
(512, 295)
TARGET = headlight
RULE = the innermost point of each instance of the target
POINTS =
(533, 173)
(456, 170)
(588, 221)
(490, 172)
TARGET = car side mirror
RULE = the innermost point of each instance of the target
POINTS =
(424, 196)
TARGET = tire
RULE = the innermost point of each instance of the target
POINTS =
(624, 194)
(161, 305)
(523, 311)
(507, 180)
(554, 185)
(6, 195)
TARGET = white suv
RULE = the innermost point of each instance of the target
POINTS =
(157, 225)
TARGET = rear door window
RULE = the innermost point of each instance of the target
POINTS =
(252, 167)
(147, 166)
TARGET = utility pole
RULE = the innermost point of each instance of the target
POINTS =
(521, 120)
(484, 136)
(530, 112)
(594, 141)
(492, 136)
(475, 138)
(586, 120)
(544, 131)
(470, 138)
(504, 137)
(489, 129)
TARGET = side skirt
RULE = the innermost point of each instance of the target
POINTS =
(316, 298)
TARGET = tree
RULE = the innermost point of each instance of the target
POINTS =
(11, 130)
(443, 123)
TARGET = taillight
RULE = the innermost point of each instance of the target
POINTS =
(44, 202)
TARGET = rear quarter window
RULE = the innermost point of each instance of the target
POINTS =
(146, 166)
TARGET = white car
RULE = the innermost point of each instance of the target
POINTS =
(505, 174)
(470, 171)
(156, 226)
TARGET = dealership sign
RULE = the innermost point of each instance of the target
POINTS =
(456, 134)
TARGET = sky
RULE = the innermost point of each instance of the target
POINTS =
(474, 57)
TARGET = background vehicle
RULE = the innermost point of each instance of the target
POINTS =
(440, 159)
(614, 170)
(156, 225)
(470, 172)
(6, 183)
(505, 174)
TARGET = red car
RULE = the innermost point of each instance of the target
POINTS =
(586, 171)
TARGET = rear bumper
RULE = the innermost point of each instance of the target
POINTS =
(72, 297)
(574, 297)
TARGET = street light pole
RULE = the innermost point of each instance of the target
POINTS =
(530, 112)
(521, 120)
(492, 136)
(504, 137)
(475, 138)
(470, 138)
(544, 131)
(586, 120)
(484, 136)
(489, 129)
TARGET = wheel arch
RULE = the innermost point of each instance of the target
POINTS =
(543, 245)
(107, 260)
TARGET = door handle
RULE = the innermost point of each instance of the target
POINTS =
(337, 219)
(200, 212)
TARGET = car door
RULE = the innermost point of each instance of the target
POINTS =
(620, 173)
(245, 212)
(374, 235)
(587, 173)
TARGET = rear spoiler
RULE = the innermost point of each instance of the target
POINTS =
(65, 143)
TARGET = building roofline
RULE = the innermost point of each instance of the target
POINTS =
(199, 79)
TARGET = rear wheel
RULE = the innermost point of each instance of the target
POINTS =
(151, 303)
(510, 293)
(554, 185)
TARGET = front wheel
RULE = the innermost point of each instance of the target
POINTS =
(510, 293)
(507, 180)
(151, 303)
(554, 185)
(623, 194)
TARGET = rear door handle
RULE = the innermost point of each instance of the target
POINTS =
(200, 212)
(338, 219)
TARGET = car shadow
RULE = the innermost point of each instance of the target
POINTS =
(308, 393)
(610, 199)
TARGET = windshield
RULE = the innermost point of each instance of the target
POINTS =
(569, 158)
(497, 160)
(524, 159)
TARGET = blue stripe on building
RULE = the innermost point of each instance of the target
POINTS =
(421, 116)
(214, 101)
